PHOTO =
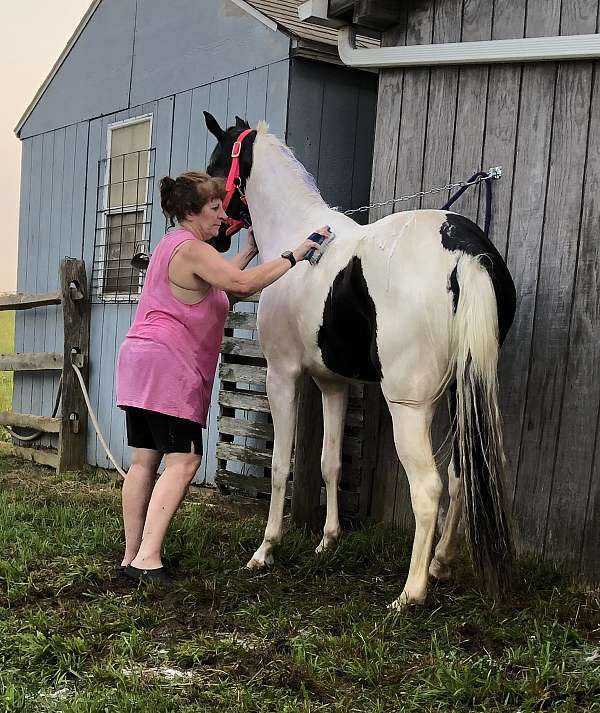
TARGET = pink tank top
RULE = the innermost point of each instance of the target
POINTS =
(168, 360)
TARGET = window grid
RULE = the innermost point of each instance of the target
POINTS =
(123, 224)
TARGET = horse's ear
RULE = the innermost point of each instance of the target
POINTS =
(213, 126)
(241, 123)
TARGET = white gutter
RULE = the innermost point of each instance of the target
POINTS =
(529, 49)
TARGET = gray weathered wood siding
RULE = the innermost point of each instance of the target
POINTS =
(541, 123)
(330, 128)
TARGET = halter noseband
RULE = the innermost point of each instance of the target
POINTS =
(234, 185)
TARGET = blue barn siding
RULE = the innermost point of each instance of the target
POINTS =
(186, 43)
(242, 69)
(53, 189)
(94, 78)
(181, 142)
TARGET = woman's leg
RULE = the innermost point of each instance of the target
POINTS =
(137, 489)
(166, 497)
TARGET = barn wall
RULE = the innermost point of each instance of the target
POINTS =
(330, 128)
(541, 123)
(58, 218)
(135, 52)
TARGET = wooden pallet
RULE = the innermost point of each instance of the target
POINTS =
(245, 440)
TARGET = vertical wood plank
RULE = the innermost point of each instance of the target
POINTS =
(470, 108)
(217, 106)
(307, 88)
(577, 470)
(181, 133)
(389, 110)
(162, 132)
(20, 320)
(257, 91)
(72, 444)
(363, 147)
(79, 192)
(276, 100)
(553, 414)
(524, 234)
(337, 160)
(441, 115)
(197, 144)
(42, 259)
(504, 86)
(306, 493)
(411, 140)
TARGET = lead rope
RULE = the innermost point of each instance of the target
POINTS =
(95, 421)
(479, 177)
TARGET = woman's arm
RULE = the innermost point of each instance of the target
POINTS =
(242, 259)
(244, 256)
(208, 265)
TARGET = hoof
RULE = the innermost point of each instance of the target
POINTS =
(404, 601)
(440, 571)
(324, 545)
(328, 541)
(260, 561)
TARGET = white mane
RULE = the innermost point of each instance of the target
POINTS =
(305, 186)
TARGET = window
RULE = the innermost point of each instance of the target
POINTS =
(123, 210)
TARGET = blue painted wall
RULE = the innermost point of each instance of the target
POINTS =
(135, 52)
(58, 218)
(190, 56)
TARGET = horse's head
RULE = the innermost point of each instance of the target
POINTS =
(220, 166)
(220, 159)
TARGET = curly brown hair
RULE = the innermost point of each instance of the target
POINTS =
(188, 193)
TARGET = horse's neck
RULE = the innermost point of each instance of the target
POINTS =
(285, 208)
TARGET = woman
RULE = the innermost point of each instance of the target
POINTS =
(166, 365)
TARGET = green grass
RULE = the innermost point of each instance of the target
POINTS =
(7, 345)
(312, 634)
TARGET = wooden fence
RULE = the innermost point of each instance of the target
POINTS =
(71, 424)
(246, 433)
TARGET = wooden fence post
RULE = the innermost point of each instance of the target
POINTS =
(76, 312)
(306, 493)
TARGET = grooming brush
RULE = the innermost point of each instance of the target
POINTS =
(313, 256)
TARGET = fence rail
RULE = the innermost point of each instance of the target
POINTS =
(71, 424)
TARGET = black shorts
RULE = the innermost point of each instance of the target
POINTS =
(162, 433)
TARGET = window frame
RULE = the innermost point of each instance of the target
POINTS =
(131, 296)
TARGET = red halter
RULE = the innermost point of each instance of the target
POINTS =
(234, 183)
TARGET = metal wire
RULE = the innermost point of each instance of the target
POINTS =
(493, 173)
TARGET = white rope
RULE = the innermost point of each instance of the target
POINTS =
(95, 422)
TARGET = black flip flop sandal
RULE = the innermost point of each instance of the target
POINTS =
(148, 575)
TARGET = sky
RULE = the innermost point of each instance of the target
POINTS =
(35, 32)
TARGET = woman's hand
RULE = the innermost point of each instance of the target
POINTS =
(252, 246)
(307, 245)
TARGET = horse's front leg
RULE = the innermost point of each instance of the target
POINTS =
(282, 390)
(335, 401)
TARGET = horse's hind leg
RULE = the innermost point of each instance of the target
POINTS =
(447, 547)
(413, 444)
(282, 390)
(335, 400)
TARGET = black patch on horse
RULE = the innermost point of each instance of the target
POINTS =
(460, 233)
(348, 336)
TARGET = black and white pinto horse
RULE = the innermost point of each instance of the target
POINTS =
(418, 301)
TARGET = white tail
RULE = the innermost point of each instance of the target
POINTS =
(478, 425)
